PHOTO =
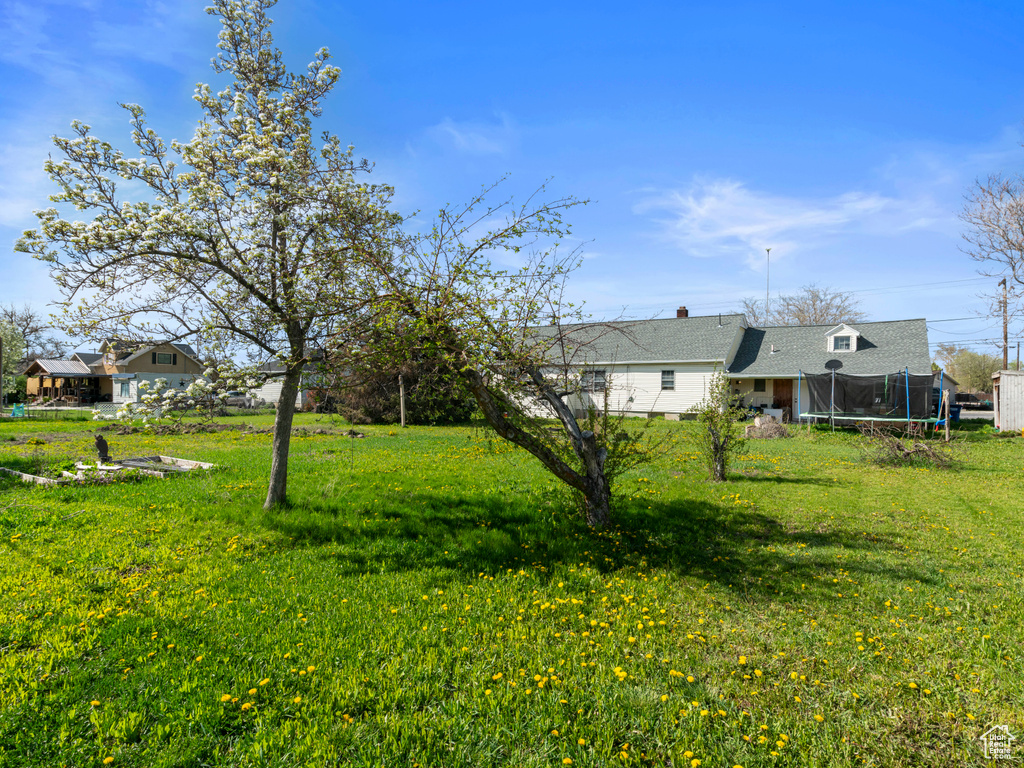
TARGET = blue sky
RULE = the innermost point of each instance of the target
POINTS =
(841, 135)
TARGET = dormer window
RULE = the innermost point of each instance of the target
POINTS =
(842, 338)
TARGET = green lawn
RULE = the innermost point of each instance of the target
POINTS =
(429, 600)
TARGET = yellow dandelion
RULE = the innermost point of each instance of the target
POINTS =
(554, 731)
(247, 705)
(743, 660)
(689, 678)
(108, 760)
(912, 685)
(487, 692)
(566, 761)
(819, 718)
(252, 691)
(297, 699)
(95, 703)
(310, 668)
(581, 742)
(226, 697)
(264, 681)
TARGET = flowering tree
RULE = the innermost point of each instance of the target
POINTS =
(203, 398)
(12, 347)
(251, 233)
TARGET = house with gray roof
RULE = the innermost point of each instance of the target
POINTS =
(769, 361)
(662, 367)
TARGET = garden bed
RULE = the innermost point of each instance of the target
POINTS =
(153, 466)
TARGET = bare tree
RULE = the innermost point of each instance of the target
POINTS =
(36, 332)
(811, 306)
(994, 214)
(510, 338)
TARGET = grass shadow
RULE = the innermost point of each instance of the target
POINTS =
(742, 549)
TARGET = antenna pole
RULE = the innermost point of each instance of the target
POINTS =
(767, 282)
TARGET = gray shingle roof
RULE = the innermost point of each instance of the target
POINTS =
(88, 357)
(882, 348)
(675, 339)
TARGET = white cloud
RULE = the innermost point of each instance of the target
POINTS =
(723, 217)
(476, 138)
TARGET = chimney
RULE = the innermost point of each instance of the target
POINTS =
(682, 312)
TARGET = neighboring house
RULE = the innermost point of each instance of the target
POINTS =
(270, 391)
(943, 382)
(112, 375)
(662, 367)
(659, 367)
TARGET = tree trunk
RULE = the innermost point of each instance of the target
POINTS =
(277, 492)
(592, 482)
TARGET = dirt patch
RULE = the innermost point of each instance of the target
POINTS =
(46, 437)
(171, 429)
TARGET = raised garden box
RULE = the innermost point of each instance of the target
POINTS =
(155, 466)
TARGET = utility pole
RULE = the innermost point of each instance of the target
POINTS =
(767, 283)
(1006, 347)
(3, 397)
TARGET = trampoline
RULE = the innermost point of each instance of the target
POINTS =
(846, 398)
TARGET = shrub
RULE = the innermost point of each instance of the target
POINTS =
(720, 434)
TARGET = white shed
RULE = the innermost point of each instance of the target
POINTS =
(1008, 399)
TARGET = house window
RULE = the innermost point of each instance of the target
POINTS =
(840, 343)
(593, 381)
(126, 389)
(668, 379)
(164, 358)
(760, 385)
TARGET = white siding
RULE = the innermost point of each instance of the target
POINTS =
(173, 382)
(271, 393)
(745, 388)
(1009, 401)
(636, 389)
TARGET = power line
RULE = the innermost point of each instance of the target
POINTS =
(880, 290)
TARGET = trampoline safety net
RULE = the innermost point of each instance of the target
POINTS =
(895, 396)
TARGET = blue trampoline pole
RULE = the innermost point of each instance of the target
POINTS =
(906, 379)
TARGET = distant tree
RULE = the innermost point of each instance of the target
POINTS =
(811, 306)
(434, 394)
(12, 347)
(993, 213)
(254, 234)
(972, 370)
(36, 332)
